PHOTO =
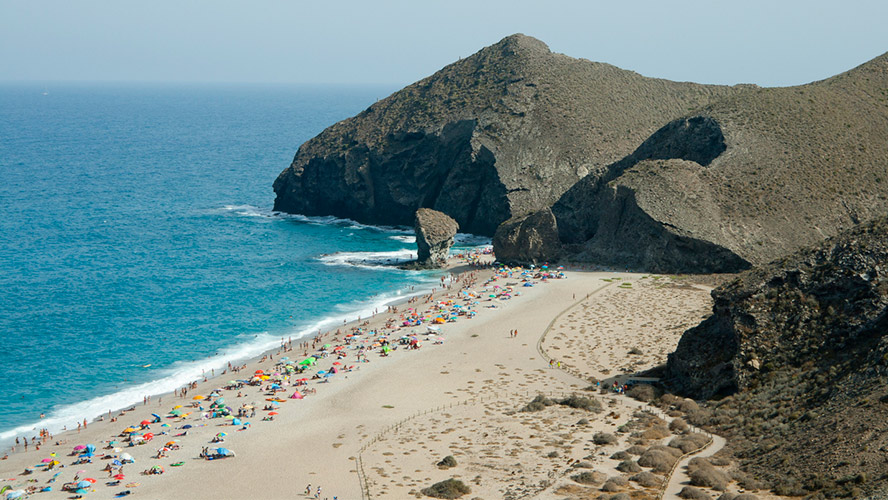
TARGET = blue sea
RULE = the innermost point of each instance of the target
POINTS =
(139, 249)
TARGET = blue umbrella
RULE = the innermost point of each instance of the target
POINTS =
(90, 448)
(223, 451)
(81, 491)
(329, 374)
(275, 386)
(235, 422)
(186, 426)
(116, 462)
(88, 454)
(83, 484)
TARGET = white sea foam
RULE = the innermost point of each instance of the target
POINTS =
(369, 260)
(404, 238)
(185, 372)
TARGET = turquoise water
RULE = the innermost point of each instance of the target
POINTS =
(136, 230)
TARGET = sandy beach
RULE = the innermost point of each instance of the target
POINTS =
(395, 417)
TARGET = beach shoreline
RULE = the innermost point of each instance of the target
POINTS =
(320, 438)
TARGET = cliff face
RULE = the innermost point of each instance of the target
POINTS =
(502, 133)
(800, 349)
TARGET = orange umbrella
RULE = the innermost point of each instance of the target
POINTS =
(272, 413)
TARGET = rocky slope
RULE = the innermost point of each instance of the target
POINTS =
(636, 172)
(796, 354)
(499, 134)
(753, 176)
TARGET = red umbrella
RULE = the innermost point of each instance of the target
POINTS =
(90, 480)
(119, 476)
(272, 413)
(145, 422)
(337, 363)
(148, 436)
(259, 372)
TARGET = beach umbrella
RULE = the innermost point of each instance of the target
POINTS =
(145, 423)
(116, 463)
(272, 413)
(81, 447)
(83, 484)
(337, 363)
(197, 398)
(126, 457)
(90, 448)
(164, 425)
(89, 480)
(175, 413)
(88, 454)
(235, 421)
(186, 426)
(46, 460)
(259, 372)
(225, 452)
(119, 476)
(177, 407)
(221, 434)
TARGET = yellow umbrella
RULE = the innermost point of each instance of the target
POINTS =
(177, 407)
(196, 398)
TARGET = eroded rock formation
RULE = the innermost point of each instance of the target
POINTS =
(435, 234)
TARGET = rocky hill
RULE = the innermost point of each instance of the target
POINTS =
(496, 135)
(589, 162)
(795, 360)
(744, 180)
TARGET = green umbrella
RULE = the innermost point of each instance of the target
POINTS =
(176, 412)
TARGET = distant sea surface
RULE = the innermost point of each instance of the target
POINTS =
(139, 249)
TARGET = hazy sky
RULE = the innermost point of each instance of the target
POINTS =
(770, 42)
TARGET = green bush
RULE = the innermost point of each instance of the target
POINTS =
(447, 462)
(628, 466)
(582, 403)
(603, 438)
(709, 477)
(692, 493)
(589, 477)
(646, 479)
(538, 403)
(448, 489)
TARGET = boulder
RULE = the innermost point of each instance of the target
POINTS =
(434, 237)
(531, 239)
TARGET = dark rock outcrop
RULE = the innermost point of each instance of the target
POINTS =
(434, 237)
(798, 350)
(496, 135)
(532, 239)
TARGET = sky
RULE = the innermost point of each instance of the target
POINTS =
(770, 43)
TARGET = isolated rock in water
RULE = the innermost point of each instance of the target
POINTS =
(434, 236)
(528, 240)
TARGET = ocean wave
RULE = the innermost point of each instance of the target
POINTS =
(404, 238)
(369, 260)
